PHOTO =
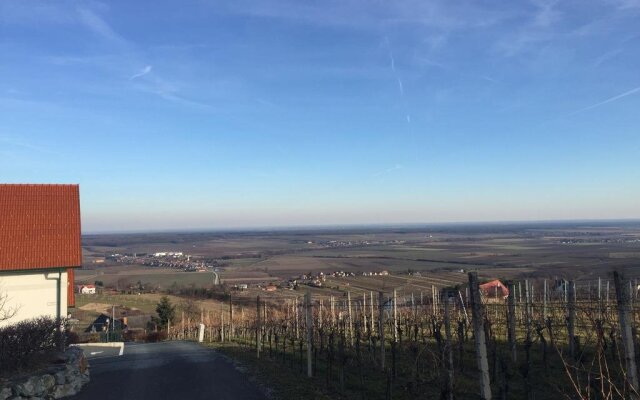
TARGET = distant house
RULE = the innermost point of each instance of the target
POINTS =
(39, 250)
(271, 288)
(104, 323)
(494, 289)
(87, 289)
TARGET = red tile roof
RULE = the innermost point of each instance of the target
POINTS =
(39, 226)
(490, 288)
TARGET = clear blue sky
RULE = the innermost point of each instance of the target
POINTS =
(216, 114)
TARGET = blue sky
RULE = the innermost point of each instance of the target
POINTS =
(218, 114)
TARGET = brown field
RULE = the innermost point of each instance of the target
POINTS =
(549, 250)
(503, 251)
(417, 258)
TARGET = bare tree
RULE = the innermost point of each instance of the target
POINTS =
(7, 311)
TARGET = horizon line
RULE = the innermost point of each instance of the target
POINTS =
(389, 225)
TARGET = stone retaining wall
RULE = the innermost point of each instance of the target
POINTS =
(53, 383)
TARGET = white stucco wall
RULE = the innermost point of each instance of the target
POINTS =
(34, 293)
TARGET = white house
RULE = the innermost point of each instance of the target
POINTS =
(87, 289)
(39, 250)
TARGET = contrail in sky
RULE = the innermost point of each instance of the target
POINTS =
(401, 86)
(144, 71)
(388, 170)
(609, 100)
(393, 65)
(395, 72)
(391, 59)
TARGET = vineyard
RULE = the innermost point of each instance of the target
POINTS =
(544, 340)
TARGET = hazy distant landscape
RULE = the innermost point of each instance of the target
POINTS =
(512, 251)
(353, 268)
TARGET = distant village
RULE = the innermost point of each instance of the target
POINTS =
(317, 280)
(353, 243)
(187, 263)
(166, 259)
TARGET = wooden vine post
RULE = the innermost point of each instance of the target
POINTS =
(511, 321)
(381, 327)
(231, 332)
(395, 316)
(448, 348)
(350, 318)
(479, 336)
(258, 327)
(373, 318)
(364, 313)
(623, 297)
(571, 320)
(309, 322)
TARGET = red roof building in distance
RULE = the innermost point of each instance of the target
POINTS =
(494, 289)
(39, 246)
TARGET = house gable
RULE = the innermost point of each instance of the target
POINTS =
(40, 230)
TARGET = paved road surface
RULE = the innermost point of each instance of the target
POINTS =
(167, 370)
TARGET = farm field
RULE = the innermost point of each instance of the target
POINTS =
(419, 260)
(438, 253)
(355, 277)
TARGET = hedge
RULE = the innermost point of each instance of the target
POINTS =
(25, 343)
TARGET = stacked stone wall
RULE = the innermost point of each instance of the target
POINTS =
(55, 382)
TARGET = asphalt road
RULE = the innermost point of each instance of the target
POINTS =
(167, 370)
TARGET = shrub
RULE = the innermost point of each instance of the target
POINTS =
(90, 337)
(72, 338)
(156, 336)
(135, 335)
(26, 343)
